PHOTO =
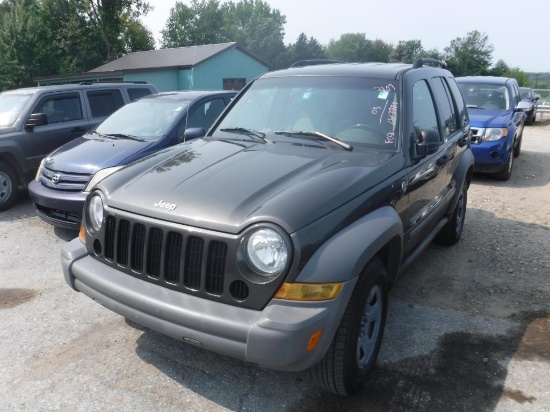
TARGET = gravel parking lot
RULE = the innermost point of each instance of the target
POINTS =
(468, 327)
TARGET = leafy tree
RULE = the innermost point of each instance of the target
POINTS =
(350, 47)
(108, 18)
(380, 51)
(407, 51)
(469, 56)
(257, 27)
(135, 36)
(200, 23)
(250, 23)
(303, 49)
(521, 77)
(24, 44)
(499, 69)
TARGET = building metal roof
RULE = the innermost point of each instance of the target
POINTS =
(181, 57)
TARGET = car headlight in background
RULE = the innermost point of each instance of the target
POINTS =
(95, 212)
(492, 134)
(99, 176)
(267, 251)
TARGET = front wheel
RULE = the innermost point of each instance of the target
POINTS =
(8, 186)
(352, 354)
(506, 171)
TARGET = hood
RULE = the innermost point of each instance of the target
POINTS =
(88, 155)
(227, 186)
(488, 118)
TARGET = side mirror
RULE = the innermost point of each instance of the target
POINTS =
(427, 142)
(192, 133)
(523, 106)
(36, 119)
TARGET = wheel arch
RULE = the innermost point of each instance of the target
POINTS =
(11, 160)
(344, 256)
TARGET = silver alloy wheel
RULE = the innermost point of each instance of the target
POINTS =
(5, 186)
(370, 326)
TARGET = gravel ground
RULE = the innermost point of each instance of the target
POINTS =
(468, 327)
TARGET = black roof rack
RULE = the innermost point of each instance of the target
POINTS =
(114, 81)
(313, 62)
(420, 62)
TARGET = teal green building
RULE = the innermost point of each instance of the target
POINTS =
(225, 66)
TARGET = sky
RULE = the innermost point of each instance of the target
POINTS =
(513, 29)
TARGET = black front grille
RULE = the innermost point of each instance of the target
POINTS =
(168, 257)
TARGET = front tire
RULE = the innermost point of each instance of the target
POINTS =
(352, 354)
(506, 172)
(8, 186)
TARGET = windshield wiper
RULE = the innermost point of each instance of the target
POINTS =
(316, 134)
(123, 136)
(246, 132)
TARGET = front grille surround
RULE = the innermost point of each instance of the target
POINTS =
(197, 262)
(70, 182)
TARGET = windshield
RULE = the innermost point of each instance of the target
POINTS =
(525, 93)
(362, 112)
(11, 106)
(146, 119)
(485, 96)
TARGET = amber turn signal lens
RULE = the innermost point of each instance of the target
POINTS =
(82, 233)
(314, 340)
(309, 291)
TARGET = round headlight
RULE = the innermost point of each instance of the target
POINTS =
(267, 251)
(95, 212)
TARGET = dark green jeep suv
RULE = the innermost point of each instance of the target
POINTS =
(276, 237)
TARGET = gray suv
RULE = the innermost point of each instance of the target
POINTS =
(35, 121)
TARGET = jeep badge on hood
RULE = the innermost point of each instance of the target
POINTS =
(164, 205)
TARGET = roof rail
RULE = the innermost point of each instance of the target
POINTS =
(114, 81)
(313, 62)
(420, 62)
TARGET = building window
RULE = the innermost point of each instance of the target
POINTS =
(234, 84)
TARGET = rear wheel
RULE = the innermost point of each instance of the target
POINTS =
(452, 231)
(352, 354)
(8, 186)
(517, 147)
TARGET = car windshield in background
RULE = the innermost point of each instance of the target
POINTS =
(11, 106)
(362, 112)
(146, 119)
(485, 96)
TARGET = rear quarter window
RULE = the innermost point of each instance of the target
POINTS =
(138, 92)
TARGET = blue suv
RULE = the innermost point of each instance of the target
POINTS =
(497, 119)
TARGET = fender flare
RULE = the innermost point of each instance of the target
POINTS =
(344, 256)
(464, 173)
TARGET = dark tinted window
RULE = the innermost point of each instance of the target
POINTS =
(448, 114)
(234, 84)
(205, 114)
(424, 115)
(61, 108)
(459, 101)
(138, 92)
(104, 102)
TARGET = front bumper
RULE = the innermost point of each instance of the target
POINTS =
(490, 157)
(276, 337)
(57, 207)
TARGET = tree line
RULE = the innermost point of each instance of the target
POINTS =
(40, 38)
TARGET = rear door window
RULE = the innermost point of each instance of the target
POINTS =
(104, 102)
